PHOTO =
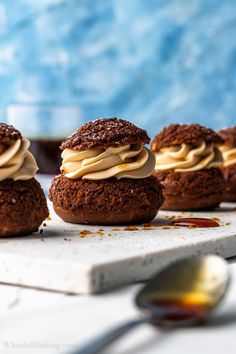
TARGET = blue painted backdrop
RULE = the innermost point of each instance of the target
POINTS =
(150, 61)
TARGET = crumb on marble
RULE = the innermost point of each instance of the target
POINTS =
(85, 233)
(216, 219)
(130, 228)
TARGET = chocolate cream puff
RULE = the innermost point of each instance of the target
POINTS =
(23, 205)
(228, 149)
(106, 175)
(188, 162)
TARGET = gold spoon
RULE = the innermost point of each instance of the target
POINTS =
(183, 294)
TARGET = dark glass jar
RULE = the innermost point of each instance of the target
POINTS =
(46, 126)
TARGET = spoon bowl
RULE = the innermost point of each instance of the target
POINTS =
(185, 292)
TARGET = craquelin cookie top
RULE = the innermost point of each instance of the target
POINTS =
(177, 134)
(8, 133)
(104, 133)
(229, 135)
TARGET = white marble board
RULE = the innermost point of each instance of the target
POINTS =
(65, 258)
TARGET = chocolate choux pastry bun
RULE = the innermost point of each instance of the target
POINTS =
(188, 162)
(228, 149)
(23, 206)
(106, 176)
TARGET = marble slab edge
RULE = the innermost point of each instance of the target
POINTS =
(91, 279)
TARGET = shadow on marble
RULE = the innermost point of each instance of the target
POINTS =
(153, 341)
(35, 236)
(226, 318)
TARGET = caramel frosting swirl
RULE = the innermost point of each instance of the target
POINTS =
(189, 157)
(129, 161)
(16, 162)
(229, 154)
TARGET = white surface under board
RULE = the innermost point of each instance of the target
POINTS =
(64, 259)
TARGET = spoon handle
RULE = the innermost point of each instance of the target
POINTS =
(100, 343)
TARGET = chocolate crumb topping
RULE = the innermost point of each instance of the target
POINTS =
(103, 133)
(229, 135)
(176, 134)
(8, 133)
